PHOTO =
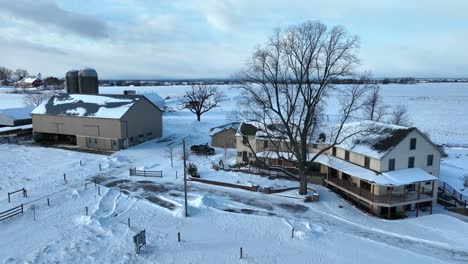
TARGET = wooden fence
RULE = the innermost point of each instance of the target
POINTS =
(23, 190)
(11, 212)
(456, 195)
(145, 173)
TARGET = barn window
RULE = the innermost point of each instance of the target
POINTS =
(411, 162)
(413, 143)
(391, 164)
(430, 160)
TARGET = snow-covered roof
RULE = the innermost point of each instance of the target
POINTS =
(155, 99)
(19, 113)
(389, 178)
(372, 139)
(28, 80)
(85, 105)
(7, 129)
(216, 130)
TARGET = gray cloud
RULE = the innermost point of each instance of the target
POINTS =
(45, 12)
(24, 44)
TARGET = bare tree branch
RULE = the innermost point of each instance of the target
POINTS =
(201, 99)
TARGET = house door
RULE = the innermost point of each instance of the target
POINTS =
(244, 156)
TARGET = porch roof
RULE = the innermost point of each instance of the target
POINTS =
(389, 178)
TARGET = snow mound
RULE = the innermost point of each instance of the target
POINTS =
(115, 161)
(204, 202)
(309, 231)
(74, 194)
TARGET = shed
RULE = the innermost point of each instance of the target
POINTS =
(12, 117)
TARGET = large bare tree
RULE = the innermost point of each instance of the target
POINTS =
(201, 98)
(374, 109)
(5, 73)
(286, 84)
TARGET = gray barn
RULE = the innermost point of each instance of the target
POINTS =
(107, 122)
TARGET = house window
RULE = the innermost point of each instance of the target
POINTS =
(245, 140)
(250, 154)
(346, 155)
(141, 136)
(411, 162)
(89, 140)
(428, 182)
(265, 144)
(366, 162)
(412, 143)
(314, 146)
(389, 188)
(430, 160)
(391, 164)
(334, 151)
(114, 142)
(239, 154)
(95, 141)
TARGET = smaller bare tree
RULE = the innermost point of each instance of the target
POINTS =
(201, 99)
(373, 107)
(20, 74)
(170, 153)
(35, 99)
(400, 116)
(5, 73)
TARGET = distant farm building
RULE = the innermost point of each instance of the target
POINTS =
(29, 82)
(224, 136)
(106, 122)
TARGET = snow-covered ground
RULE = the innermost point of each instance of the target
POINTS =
(222, 220)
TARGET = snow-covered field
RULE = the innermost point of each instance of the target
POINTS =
(222, 220)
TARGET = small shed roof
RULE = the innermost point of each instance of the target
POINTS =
(216, 130)
(19, 113)
(85, 105)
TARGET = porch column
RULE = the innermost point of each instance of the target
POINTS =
(432, 192)
(417, 202)
(372, 192)
(431, 208)
(388, 212)
(391, 193)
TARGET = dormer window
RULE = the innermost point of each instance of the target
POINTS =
(412, 143)
(334, 151)
(346, 155)
(367, 162)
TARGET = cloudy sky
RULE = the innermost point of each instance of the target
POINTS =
(212, 38)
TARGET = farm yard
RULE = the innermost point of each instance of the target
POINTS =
(67, 218)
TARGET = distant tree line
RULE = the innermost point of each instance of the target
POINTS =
(7, 76)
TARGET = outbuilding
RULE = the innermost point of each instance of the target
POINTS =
(105, 122)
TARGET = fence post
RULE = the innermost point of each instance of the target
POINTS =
(292, 233)
(48, 201)
(95, 183)
(85, 186)
(9, 197)
(81, 164)
(25, 193)
(240, 253)
(64, 177)
(176, 175)
(144, 172)
(99, 190)
(129, 222)
(100, 167)
(178, 236)
(86, 210)
(22, 209)
(34, 212)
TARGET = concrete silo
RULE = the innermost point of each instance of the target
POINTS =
(72, 82)
(88, 81)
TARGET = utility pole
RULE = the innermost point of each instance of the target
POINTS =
(185, 179)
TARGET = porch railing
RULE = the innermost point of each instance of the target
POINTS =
(389, 198)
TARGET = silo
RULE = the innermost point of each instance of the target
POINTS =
(88, 81)
(72, 82)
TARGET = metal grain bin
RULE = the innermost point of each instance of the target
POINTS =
(88, 81)
(72, 82)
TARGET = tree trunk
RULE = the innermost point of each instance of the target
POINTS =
(198, 117)
(302, 183)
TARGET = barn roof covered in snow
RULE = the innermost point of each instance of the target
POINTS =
(17, 113)
(155, 99)
(85, 105)
(373, 139)
(216, 130)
